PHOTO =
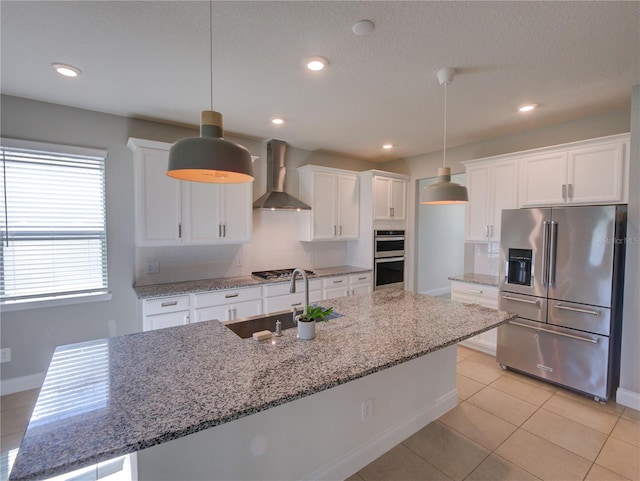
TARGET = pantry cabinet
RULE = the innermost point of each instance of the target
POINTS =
(492, 186)
(173, 212)
(583, 173)
(333, 195)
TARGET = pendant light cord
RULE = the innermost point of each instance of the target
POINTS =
(211, 47)
(444, 152)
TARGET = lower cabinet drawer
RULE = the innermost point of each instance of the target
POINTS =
(151, 307)
(227, 296)
(160, 321)
(285, 303)
(229, 312)
(565, 356)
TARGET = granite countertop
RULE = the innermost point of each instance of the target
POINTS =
(152, 387)
(472, 278)
(188, 287)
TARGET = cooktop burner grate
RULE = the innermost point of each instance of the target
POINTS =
(284, 274)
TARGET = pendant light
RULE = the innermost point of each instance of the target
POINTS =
(444, 191)
(210, 158)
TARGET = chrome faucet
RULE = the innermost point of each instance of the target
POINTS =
(292, 287)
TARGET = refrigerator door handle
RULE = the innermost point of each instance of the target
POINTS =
(553, 244)
(526, 301)
(579, 338)
(545, 253)
(576, 309)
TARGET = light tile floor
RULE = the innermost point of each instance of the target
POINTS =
(506, 427)
(512, 427)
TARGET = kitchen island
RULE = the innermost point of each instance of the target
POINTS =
(198, 402)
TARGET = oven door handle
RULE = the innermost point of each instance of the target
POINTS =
(390, 238)
(389, 259)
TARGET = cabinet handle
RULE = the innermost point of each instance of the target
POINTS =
(340, 230)
(179, 231)
(491, 231)
(391, 212)
(224, 230)
(475, 291)
(296, 304)
(337, 282)
(362, 278)
(335, 230)
(526, 301)
(570, 191)
(564, 191)
(229, 296)
(577, 309)
(219, 230)
(169, 303)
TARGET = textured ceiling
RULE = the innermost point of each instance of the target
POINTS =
(152, 60)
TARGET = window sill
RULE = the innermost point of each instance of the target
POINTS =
(53, 302)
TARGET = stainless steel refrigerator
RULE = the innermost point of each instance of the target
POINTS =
(562, 272)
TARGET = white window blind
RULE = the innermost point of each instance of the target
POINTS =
(53, 229)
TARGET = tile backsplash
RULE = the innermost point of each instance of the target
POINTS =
(486, 258)
(274, 245)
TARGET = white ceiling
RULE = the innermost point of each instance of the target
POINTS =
(151, 60)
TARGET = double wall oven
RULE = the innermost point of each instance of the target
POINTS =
(388, 258)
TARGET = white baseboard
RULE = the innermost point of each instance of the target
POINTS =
(354, 460)
(23, 383)
(442, 291)
(628, 398)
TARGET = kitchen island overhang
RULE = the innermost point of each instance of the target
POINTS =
(167, 384)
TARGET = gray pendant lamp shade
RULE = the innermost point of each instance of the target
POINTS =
(210, 158)
(444, 191)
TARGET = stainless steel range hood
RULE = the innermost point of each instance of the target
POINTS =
(276, 198)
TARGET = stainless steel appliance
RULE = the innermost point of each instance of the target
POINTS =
(278, 274)
(562, 272)
(388, 258)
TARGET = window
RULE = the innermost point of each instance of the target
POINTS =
(53, 232)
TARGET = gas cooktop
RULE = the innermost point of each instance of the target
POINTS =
(283, 274)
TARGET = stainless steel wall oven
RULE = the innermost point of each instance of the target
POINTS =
(388, 258)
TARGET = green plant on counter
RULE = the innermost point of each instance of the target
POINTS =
(317, 313)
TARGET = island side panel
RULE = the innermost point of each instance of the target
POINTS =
(321, 436)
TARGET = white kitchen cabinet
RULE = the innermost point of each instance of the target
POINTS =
(173, 212)
(581, 173)
(389, 198)
(278, 298)
(361, 283)
(347, 285)
(165, 312)
(487, 296)
(228, 304)
(492, 186)
(335, 206)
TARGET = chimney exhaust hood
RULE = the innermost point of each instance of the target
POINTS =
(276, 198)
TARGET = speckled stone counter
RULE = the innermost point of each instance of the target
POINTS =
(188, 287)
(157, 386)
(472, 278)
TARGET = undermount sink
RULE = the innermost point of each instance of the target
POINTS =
(246, 326)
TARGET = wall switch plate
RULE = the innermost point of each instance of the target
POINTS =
(5, 354)
(151, 267)
(367, 409)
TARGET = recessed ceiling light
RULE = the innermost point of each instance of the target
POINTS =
(66, 70)
(363, 27)
(387, 146)
(527, 108)
(316, 63)
(277, 121)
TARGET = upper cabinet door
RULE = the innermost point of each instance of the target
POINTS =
(477, 213)
(158, 202)
(597, 174)
(389, 198)
(348, 207)
(202, 212)
(543, 179)
(323, 207)
(504, 190)
(236, 212)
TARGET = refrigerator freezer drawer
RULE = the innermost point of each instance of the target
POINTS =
(580, 316)
(527, 307)
(570, 358)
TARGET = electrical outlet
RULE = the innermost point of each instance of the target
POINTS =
(5, 354)
(238, 261)
(151, 267)
(367, 409)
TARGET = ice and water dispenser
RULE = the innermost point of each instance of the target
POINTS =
(519, 266)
